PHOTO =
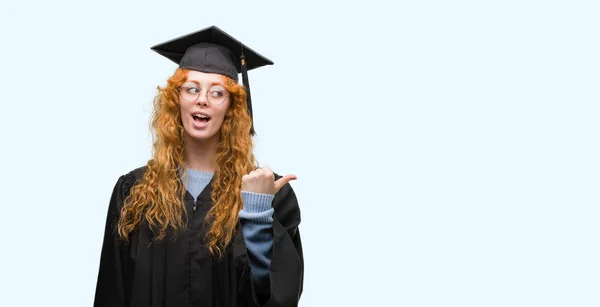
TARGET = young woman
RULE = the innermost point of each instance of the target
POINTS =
(201, 224)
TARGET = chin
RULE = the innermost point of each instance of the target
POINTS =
(201, 135)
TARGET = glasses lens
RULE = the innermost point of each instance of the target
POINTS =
(190, 93)
(216, 95)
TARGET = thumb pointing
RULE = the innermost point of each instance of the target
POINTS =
(283, 181)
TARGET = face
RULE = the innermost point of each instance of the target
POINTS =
(202, 118)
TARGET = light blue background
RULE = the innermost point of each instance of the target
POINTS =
(446, 151)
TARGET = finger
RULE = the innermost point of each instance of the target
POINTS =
(245, 181)
(267, 171)
(283, 181)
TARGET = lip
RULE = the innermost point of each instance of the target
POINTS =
(199, 125)
(201, 113)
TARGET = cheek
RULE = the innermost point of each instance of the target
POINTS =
(185, 108)
(183, 105)
(223, 110)
(220, 117)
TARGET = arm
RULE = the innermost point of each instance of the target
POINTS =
(256, 218)
(286, 270)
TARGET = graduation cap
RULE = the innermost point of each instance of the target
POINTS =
(211, 50)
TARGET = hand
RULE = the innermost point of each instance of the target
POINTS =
(262, 181)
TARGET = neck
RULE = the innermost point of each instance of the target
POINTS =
(200, 155)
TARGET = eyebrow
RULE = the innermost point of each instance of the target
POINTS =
(198, 83)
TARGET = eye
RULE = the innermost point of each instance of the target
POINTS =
(217, 93)
(192, 90)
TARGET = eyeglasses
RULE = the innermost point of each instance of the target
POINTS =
(215, 95)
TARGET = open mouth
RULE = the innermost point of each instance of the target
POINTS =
(201, 118)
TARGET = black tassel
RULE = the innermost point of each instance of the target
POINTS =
(247, 85)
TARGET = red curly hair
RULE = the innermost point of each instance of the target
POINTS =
(154, 198)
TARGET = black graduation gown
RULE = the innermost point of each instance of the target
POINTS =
(180, 272)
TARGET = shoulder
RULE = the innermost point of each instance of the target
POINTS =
(136, 173)
(128, 180)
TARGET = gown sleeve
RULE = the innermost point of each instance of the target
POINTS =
(286, 270)
(110, 286)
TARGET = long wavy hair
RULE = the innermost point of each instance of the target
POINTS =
(158, 198)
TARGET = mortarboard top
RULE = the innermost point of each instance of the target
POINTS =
(211, 50)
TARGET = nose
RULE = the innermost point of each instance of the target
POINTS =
(202, 100)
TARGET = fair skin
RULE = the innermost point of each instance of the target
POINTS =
(202, 121)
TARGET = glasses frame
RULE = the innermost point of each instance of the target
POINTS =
(208, 98)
